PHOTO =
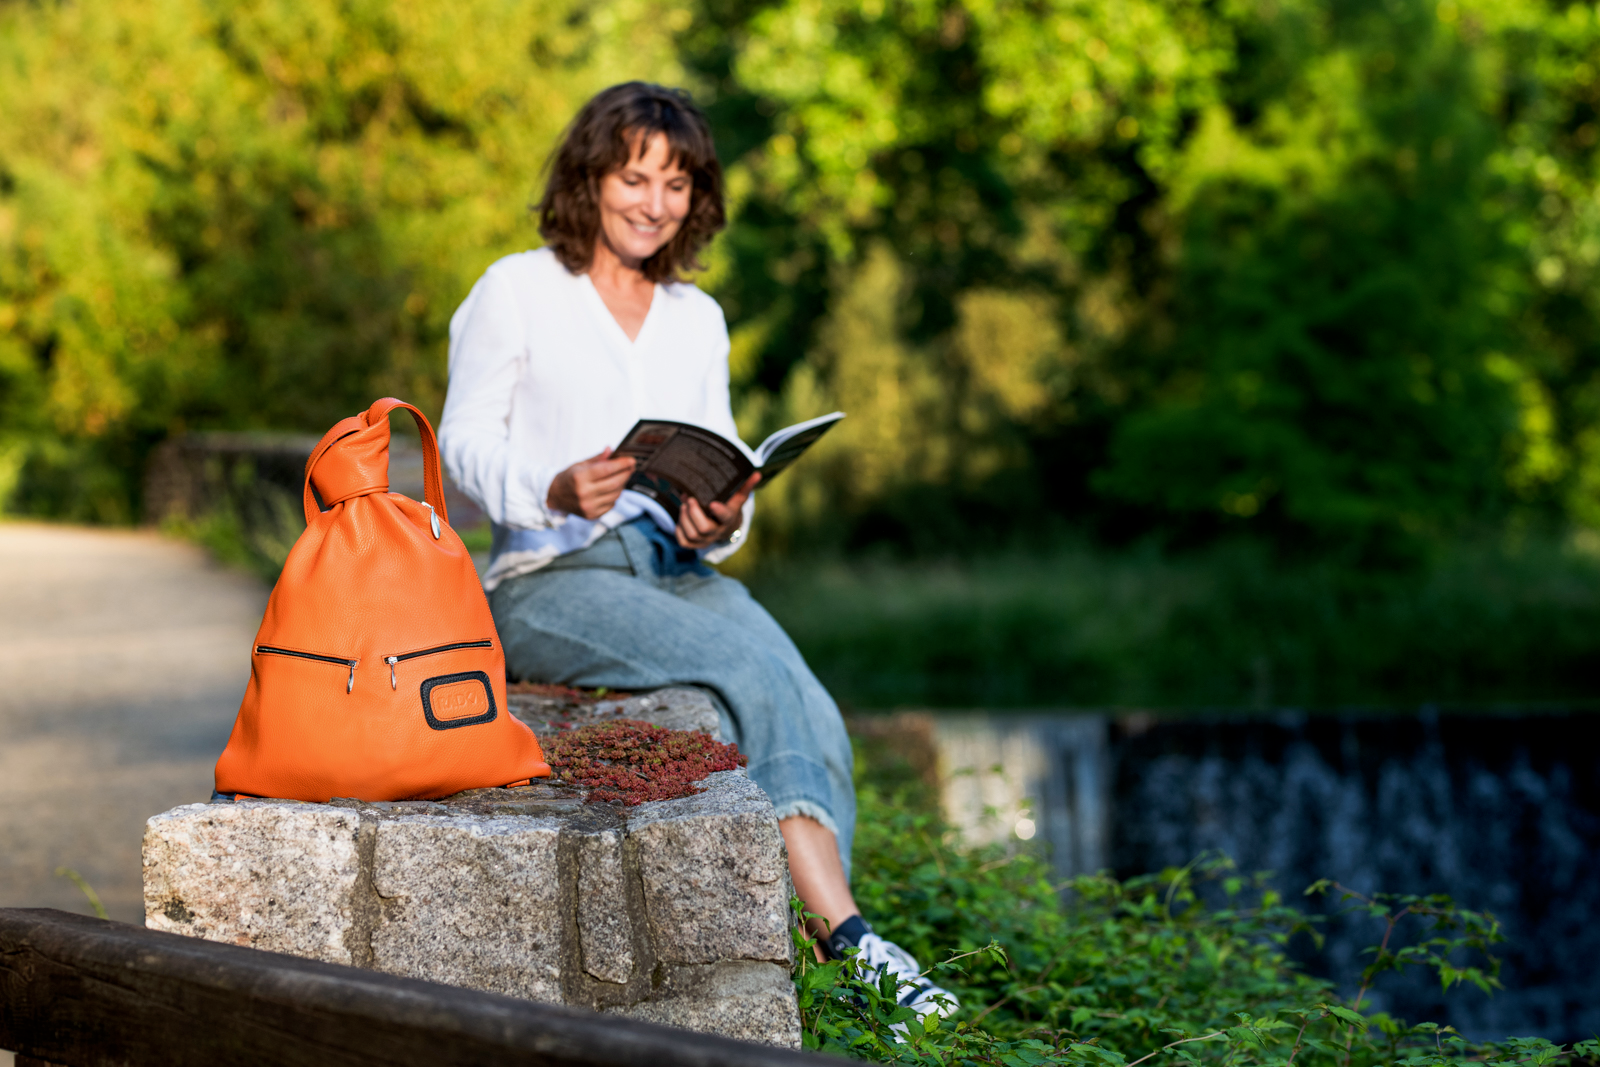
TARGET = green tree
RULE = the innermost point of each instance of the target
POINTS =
(1335, 311)
(1310, 271)
(252, 213)
(1320, 273)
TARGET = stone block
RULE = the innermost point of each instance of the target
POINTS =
(470, 901)
(743, 1000)
(605, 934)
(291, 873)
(674, 911)
(676, 709)
(715, 874)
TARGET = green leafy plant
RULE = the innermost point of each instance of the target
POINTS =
(850, 1010)
(1184, 966)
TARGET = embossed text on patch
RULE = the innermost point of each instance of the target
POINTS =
(452, 700)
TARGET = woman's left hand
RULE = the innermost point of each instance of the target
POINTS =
(698, 529)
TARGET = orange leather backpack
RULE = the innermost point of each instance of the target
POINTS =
(377, 672)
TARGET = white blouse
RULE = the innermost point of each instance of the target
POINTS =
(542, 376)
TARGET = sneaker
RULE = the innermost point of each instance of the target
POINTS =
(916, 992)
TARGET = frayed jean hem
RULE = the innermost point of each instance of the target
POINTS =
(811, 810)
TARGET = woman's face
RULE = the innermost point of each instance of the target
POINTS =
(643, 204)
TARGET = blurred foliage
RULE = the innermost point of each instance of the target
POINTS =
(1318, 273)
(259, 213)
(1322, 272)
(1229, 625)
(252, 524)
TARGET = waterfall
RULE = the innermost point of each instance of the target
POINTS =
(1502, 812)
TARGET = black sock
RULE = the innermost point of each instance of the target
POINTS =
(847, 934)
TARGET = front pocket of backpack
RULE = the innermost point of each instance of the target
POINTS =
(454, 700)
(456, 646)
(317, 657)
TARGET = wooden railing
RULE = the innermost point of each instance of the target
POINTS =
(84, 992)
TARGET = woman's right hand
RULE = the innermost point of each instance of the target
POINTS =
(590, 487)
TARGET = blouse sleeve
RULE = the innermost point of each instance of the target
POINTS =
(718, 407)
(487, 353)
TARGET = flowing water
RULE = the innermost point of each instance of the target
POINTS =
(1502, 812)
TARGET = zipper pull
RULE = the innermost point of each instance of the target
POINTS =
(391, 661)
(349, 687)
(433, 517)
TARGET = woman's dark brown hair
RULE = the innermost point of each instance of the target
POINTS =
(613, 127)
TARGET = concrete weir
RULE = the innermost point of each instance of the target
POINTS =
(674, 911)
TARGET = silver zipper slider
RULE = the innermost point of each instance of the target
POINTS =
(349, 687)
(433, 517)
(391, 661)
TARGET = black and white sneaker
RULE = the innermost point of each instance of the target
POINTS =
(916, 992)
(878, 956)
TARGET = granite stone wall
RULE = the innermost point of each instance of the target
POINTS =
(674, 911)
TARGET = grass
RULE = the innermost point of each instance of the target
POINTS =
(1479, 624)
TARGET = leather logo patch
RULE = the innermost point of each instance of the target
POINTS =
(452, 700)
(458, 700)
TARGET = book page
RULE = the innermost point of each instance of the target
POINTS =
(785, 446)
(696, 461)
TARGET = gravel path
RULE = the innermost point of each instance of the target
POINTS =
(123, 656)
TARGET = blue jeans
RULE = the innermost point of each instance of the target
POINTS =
(607, 615)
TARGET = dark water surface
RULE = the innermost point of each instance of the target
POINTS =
(1502, 812)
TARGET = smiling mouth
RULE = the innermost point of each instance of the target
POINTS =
(645, 228)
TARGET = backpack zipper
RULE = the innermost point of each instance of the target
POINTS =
(349, 686)
(392, 660)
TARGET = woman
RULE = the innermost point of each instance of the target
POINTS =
(553, 357)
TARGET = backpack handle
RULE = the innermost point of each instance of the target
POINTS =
(432, 479)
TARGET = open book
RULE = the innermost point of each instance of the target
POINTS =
(678, 460)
